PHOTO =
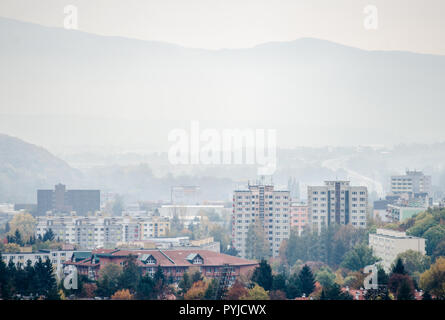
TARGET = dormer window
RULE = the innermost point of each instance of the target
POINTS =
(195, 258)
(148, 259)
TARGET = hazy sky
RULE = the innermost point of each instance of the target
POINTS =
(412, 25)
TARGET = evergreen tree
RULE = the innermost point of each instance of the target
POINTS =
(262, 275)
(196, 276)
(145, 288)
(160, 283)
(382, 277)
(211, 290)
(18, 237)
(5, 283)
(130, 274)
(334, 293)
(30, 278)
(51, 290)
(185, 283)
(307, 280)
(279, 282)
(293, 288)
(398, 268)
(49, 235)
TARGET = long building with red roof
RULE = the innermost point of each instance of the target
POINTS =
(173, 262)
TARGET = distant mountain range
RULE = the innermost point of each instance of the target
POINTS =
(68, 88)
(24, 168)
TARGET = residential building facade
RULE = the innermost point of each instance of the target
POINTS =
(299, 216)
(101, 231)
(387, 244)
(413, 182)
(263, 204)
(337, 202)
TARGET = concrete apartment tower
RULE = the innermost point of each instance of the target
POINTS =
(337, 202)
(261, 203)
(413, 182)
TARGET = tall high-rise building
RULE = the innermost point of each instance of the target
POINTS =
(61, 200)
(337, 202)
(413, 182)
(263, 204)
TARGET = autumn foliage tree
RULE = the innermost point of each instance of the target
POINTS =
(433, 279)
(197, 291)
(236, 291)
(123, 294)
(256, 293)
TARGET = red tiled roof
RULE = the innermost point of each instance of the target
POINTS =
(171, 258)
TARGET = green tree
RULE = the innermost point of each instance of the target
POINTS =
(145, 288)
(262, 275)
(433, 279)
(108, 281)
(414, 261)
(48, 236)
(130, 274)
(185, 283)
(334, 293)
(325, 277)
(5, 281)
(359, 257)
(279, 282)
(211, 290)
(433, 237)
(398, 267)
(306, 280)
(293, 287)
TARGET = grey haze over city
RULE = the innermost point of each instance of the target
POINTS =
(362, 105)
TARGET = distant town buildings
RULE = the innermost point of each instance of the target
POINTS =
(190, 214)
(337, 202)
(401, 213)
(412, 182)
(299, 216)
(387, 244)
(174, 263)
(61, 200)
(185, 194)
(263, 204)
(177, 243)
(101, 231)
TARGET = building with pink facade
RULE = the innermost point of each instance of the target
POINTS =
(299, 215)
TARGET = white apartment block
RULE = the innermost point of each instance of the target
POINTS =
(412, 182)
(387, 244)
(337, 202)
(57, 257)
(264, 204)
(99, 231)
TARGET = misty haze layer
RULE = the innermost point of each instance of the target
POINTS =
(68, 88)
